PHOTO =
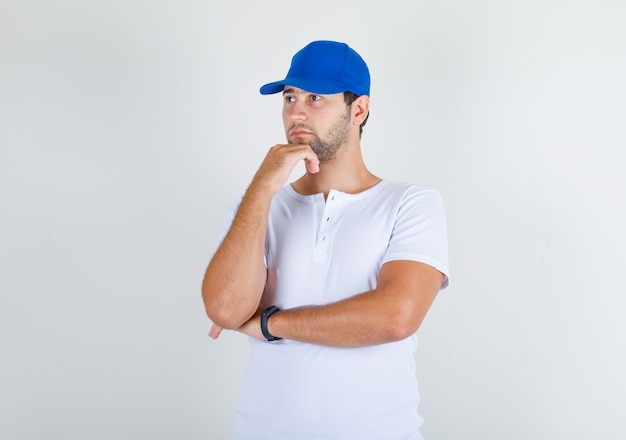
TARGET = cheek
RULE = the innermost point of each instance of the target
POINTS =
(285, 119)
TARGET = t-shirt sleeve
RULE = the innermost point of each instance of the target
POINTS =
(420, 231)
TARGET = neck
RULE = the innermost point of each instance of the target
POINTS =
(346, 172)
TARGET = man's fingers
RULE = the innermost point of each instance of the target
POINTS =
(215, 331)
(312, 165)
(311, 161)
(280, 161)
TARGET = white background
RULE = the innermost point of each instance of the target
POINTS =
(128, 127)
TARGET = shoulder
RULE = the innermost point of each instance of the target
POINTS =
(409, 192)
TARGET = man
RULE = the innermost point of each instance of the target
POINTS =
(330, 276)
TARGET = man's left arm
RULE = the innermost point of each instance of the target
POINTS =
(393, 311)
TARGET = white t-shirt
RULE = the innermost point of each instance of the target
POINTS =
(320, 251)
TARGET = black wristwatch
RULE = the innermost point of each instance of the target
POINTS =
(264, 317)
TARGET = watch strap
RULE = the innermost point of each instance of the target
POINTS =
(264, 318)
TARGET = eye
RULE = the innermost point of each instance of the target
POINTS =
(289, 99)
(316, 98)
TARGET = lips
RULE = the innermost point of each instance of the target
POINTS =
(299, 133)
(299, 130)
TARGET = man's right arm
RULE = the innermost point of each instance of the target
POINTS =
(235, 278)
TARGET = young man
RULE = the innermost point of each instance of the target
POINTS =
(330, 276)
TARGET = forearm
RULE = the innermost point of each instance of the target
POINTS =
(391, 312)
(355, 322)
(235, 278)
(350, 323)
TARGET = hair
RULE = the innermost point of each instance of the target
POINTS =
(349, 98)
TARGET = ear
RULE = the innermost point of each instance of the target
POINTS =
(360, 109)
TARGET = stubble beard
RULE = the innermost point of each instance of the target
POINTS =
(336, 136)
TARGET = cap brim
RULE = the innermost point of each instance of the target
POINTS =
(311, 86)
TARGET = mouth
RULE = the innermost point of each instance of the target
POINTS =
(299, 130)
(299, 133)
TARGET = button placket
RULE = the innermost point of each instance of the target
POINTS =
(326, 227)
(327, 220)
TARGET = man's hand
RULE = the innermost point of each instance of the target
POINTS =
(280, 162)
(252, 327)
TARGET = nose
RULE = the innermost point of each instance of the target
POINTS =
(296, 111)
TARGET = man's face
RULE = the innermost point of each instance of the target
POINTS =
(321, 121)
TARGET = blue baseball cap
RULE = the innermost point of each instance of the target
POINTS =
(325, 67)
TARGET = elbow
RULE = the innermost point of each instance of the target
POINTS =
(226, 315)
(401, 326)
(224, 303)
(399, 332)
(225, 318)
(219, 311)
(227, 322)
